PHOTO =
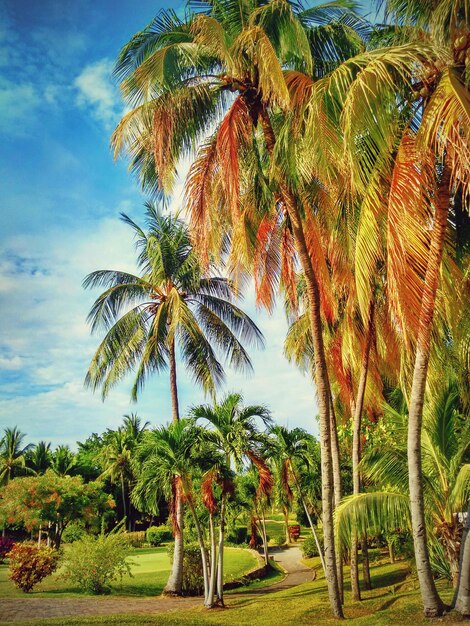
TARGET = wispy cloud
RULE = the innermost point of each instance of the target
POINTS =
(97, 92)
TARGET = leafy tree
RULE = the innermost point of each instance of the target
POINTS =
(39, 457)
(12, 454)
(37, 500)
(172, 302)
(63, 461)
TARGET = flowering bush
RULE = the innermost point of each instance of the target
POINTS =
(30, 564)
(6, 544)
(93, 562)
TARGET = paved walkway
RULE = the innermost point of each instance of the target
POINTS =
(22, 609)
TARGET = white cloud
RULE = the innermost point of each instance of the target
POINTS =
(18, 106)
(97, 92)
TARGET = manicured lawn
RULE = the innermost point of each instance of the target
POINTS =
(150, 572)
(394, 601)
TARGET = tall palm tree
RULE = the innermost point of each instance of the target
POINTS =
(12, 454)
(62, 461)
(164, 466)
(180, 75)
(423, 154)
(447, 479)
(232, 428)
(171, 303)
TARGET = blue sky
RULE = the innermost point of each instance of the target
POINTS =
(60, 197)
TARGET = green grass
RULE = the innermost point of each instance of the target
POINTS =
(150, 570)
(394, 601)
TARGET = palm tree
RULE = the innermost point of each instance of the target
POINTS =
(447, 480)
(164, 467)
(12, 454)
(62, 461)
(179, 76)
(232, 428)
(422, 153)
(116, 457)
(39, 457)
(170, 303)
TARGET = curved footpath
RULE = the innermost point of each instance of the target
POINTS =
(22, 609)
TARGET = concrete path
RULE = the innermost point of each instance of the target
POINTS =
(29, 608)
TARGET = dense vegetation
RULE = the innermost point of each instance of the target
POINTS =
(330, 164)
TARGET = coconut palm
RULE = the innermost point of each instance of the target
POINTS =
(39, 457)
(423, 154)
(181, 76)
(232, 429)
(62, 461)
(171, 303)
(12, 454)
(164, 466)
(446, 487)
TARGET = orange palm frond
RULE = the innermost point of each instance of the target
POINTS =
(207, 492)
(267, 262)
(266, 480)
(300, 88)
(288, 275)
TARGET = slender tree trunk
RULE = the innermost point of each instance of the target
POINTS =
(220, 564)
(265, 538)
(432, 603)
(356, 449)
(336, 460)
(39, 535)
(173, 385)
(321, 375)
(210, 603)
(202, 547)
(286, 524)
(123, 494)
(366, 565)
(174, 586)
(461, 602)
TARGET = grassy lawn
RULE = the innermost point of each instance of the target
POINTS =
(150, 572)
(394, 601)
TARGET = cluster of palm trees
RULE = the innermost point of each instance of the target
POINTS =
(329, 163)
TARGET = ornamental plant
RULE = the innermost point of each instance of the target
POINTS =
(94, 562)
(30, 564)
(6, 544)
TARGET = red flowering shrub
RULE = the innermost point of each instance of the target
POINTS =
(6, 544)
(30, 564)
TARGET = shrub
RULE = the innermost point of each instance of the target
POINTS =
(73, 532)
(280, 540)
(6, 544)
(134, 539)
(30, 564)
(156, 535)
(193, 579)
(237, 535)
(93, 562)
(309, 547)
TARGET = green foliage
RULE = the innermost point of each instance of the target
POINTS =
(73, 532)
(193, 581)
(281, 540)
(51, 498)
(237, 535)
(309, 547)
(94, 562)
(30, 564)
(135, 539)
(156, 535)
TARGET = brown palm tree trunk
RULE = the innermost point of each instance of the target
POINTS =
(123, 495)
(174, 586)
(321, 375)
(461, 602)
(432, 603)
(220, 563)
(366, 564)
(356, 448)
(337, 488)
(173, 384)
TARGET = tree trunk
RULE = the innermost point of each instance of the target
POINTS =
(355, 589)
(123, 494)
(391, 552)
(173, 385)
(220, 564)
(210, 603)
(174, 586)
(321, 375)
(336, 460)
(286, 524)
(202, 547)
(366, 565)
(461, 602)
(265, 538)
(432, 603)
